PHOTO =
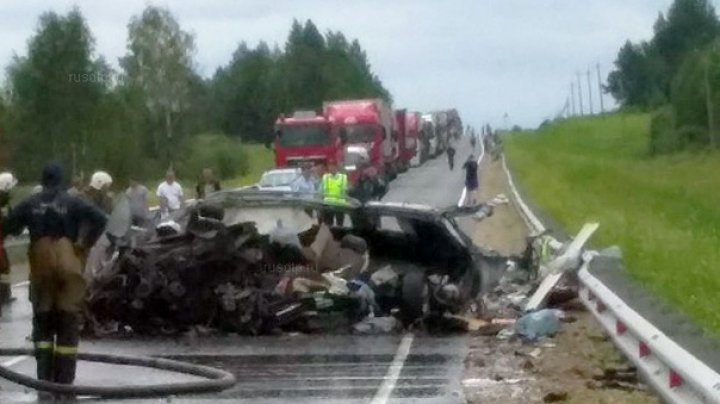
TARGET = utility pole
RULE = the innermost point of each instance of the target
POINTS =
(600, 91)
(709, 103)
(572, 98)
(590, 103)
(579, 87)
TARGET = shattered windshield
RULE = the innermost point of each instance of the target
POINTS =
(305, 135)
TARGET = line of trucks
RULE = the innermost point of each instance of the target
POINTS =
(364, 136)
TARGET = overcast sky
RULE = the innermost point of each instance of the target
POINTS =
(485, 57)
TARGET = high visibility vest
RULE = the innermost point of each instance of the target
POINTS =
(334, 187)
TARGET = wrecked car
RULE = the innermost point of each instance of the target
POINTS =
(251, 262)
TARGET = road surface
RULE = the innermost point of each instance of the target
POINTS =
(299, 368)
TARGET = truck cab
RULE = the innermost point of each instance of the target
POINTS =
(365, 124)
(305, 137)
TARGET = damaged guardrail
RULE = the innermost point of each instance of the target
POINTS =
(675, 374)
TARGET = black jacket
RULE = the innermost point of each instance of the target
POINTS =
(54, 213)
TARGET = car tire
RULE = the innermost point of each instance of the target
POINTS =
(415, 297)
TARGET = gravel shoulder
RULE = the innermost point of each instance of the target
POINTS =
(576, 366)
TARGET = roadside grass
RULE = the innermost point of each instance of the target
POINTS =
(663, 212)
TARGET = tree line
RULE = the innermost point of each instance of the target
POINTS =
(676, 74)
(64, 102)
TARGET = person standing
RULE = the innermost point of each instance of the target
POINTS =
(471, 180)
(451, 156)
(304, 184)
(7, 183)
(170, 193)
(57, 285)
(77, 187)
(207, 184)
(137, 195)
(334, 190)
(98, 191)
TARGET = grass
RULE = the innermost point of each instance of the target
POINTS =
(663, 212)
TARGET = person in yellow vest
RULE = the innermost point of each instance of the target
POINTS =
(334, 190)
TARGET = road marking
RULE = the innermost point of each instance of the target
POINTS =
(20, 284)
(14, 361)
(391, 378)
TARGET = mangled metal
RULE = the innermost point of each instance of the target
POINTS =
(255, 263)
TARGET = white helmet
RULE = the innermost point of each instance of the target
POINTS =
(7, 182)
(100, 180)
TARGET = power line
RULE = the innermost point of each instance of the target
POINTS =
(600, 92)
(579, 87)
(590, 103)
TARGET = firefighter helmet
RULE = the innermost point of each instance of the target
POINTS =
(100, 180)
(7, 182)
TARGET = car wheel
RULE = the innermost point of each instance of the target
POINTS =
(415, 297)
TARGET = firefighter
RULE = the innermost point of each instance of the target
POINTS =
(57, 286)
(98, 191)
(7, 183)
(334, 189)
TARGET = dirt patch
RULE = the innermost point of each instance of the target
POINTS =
(578, 365)
(505, 230)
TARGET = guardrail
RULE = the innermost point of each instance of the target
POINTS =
(677, 375)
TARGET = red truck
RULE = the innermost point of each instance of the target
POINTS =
(364, 124)
(305, 137)
(413, 141)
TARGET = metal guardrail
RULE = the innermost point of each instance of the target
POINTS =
(677, 375)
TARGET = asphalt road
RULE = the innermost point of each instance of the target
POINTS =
(404, 368)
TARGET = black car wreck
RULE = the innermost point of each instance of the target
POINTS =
(253, 262)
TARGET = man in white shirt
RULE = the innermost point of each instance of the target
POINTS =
(171, 195)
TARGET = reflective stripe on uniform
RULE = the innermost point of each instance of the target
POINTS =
(66, 350)
(43, 345)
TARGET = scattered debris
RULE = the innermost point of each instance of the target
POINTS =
(555, 397)
(255, 263)
(538, 324)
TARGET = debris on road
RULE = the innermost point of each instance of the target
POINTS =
(258, 262)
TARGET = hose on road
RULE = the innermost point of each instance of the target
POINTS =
(217, 379)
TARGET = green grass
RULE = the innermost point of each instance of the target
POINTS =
(664, 212)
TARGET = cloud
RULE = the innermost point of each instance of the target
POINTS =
(484, 57)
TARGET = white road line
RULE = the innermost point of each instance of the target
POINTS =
(391, 378)
(14, 361)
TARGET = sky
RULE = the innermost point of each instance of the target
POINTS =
(503, 62)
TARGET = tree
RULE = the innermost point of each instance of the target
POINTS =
(159, 64)
(54, 92)
(638, 78)
(644, 72)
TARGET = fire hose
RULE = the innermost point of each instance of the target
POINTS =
(216, 379)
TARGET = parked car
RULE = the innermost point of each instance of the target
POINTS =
(278, 179)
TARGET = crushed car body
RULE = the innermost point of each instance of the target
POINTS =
(254, 262)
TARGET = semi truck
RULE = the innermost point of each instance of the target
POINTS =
(304, 137)
(412, 127)
(365, 125)
(407, 139)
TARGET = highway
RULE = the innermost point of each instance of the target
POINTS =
(293, 367)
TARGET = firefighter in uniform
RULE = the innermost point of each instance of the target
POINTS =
(56, 275)
(98, 191)
(334, 190)
(7, 183)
